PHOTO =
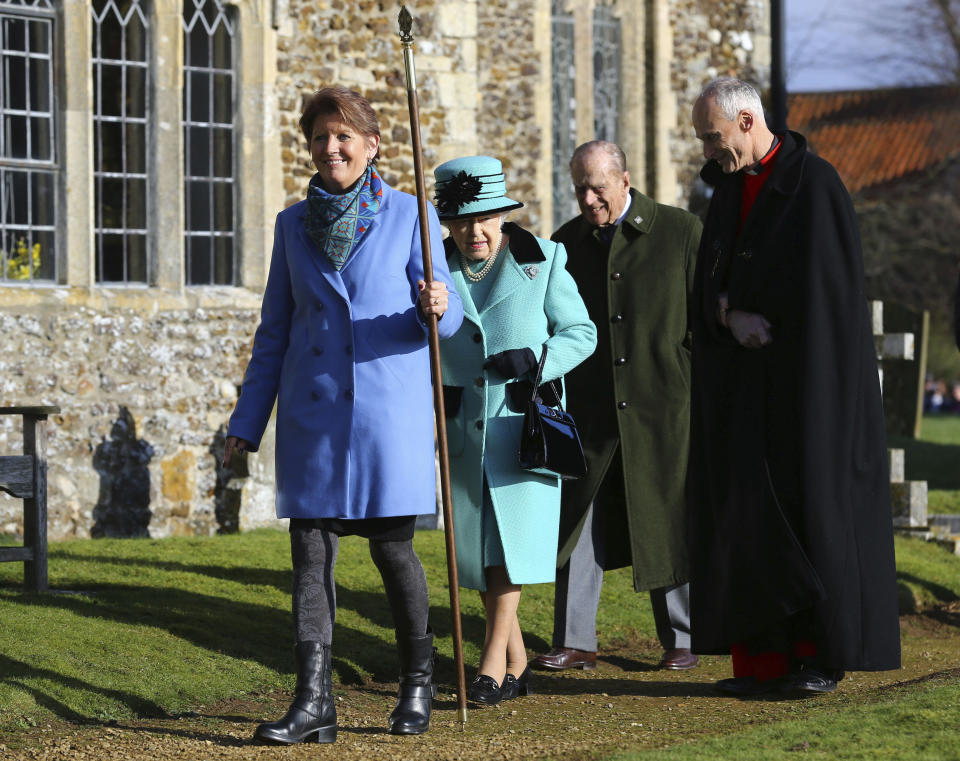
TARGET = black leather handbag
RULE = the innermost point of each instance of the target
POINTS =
(550, 444)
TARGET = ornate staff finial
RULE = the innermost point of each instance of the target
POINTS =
(406, 25)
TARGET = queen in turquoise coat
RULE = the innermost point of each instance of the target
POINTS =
(517, 298)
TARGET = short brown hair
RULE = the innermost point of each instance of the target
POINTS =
(353, 109)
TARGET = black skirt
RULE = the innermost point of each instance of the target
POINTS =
(395, 529)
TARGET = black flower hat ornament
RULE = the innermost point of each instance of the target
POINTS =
(458, 191)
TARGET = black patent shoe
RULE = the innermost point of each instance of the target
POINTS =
(746, 686)
(809, 681)
(514, 686)
(485, 690)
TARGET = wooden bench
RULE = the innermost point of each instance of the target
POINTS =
(25, 477)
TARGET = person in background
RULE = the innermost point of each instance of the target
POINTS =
(342, 350)
(519, 300)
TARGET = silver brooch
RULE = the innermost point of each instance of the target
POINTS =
(532, 271)
(637, 220)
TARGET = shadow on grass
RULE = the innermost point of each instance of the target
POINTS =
(940, 592)
(931, 462)
(245, 630)
(19, 674)
(267, 577)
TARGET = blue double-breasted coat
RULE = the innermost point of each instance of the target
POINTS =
(344, 355)
(533, 302)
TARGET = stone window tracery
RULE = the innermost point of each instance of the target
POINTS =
(208, 138)
(564, 115)
(121, 83)
(28, 168)
(607, 49)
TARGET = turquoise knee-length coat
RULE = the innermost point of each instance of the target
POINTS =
(533, 302)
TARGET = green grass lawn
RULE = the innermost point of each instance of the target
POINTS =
(140, 627)
(935, 458)
(153, 629)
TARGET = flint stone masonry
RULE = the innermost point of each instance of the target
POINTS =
(711, 38)
(144, 400)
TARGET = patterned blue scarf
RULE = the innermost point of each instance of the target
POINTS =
(336, 223)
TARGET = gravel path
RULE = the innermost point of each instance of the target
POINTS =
(626, 703)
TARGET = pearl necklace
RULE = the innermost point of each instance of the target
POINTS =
(476, 277)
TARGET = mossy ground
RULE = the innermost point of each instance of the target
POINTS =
(175, 649)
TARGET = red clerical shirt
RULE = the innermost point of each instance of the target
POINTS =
(753, 180)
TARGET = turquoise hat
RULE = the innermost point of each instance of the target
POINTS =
(470, 187)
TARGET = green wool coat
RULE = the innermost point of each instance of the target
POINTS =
(631, 399)
(533, 302)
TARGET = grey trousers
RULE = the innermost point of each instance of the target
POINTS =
(577, 597)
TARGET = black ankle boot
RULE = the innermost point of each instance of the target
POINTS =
(412, 713)
(313, 716)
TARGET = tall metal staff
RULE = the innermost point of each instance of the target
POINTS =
(406, 40)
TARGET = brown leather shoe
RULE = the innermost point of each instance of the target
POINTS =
(560, 658)
(679, 659)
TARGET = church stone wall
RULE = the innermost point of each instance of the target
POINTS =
(147, 377)
(145, 396)
(711, 38)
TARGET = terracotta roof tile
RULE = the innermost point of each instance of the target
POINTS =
(874, 137)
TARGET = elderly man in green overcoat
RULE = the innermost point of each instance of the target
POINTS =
(633, 261)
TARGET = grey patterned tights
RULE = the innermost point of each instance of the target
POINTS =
(314, 554)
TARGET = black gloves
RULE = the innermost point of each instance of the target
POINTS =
(512, 363)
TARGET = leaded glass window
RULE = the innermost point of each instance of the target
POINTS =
(28, 171)
(564, 112)
(121, 92)
(208, 138)
(606, 73)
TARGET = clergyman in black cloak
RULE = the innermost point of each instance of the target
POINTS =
(790, 518)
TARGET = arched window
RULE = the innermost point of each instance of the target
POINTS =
(208, 140)
(28, 168)
(606, 73)
(121, 85)
(562, 78)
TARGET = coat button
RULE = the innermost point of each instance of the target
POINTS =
(617, 318)
(616, 276)
(315, 395)
(317, 351)
(318, 305)
(620, 361)
(480, 381)
(348, 349)
(622, 405)
(479, 425)
(348, 393)
(477, 338)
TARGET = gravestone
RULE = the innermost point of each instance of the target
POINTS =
(908, 498)
(903, 380)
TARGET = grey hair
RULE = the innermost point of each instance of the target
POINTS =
(613, 152)
(733, 96)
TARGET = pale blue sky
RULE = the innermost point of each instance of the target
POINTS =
(855, 44)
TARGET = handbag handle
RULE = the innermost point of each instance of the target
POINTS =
(536, 383)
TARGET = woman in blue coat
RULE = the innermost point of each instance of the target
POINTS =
(342, 350)
(517, 298)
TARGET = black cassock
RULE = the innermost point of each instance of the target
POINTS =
(790, 496)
